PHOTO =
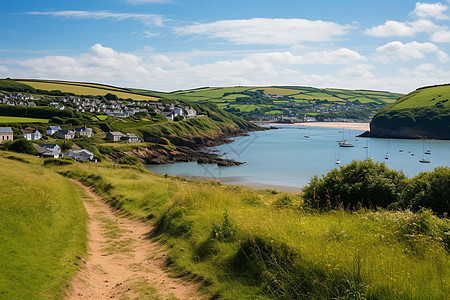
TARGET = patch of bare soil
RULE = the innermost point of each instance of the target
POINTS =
(123, 262)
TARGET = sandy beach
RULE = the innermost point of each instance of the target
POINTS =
(344, 125)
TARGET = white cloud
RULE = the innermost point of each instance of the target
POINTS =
(441, 37)
(340, 56)
(413, 50)
(394, 28)
(442, 56)
(150, 19)
(268, 31)
(357, 71)
(431, 11)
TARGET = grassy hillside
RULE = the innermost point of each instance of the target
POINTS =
(423, 113)
(42, 229)
(271, 245)
(250, 102)
(80, 88)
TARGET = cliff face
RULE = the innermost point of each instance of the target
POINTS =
(401, 133)
(172, 149)
(424, 113)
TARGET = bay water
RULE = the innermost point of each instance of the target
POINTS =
(291, 155)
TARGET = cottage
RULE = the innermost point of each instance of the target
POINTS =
(65, 134)
(51, 130)
(6, 134)
(84, 131)
(114, 136)
(31, 134)
(48, 150)
(80, 155)
(130, 137)
(168, 115)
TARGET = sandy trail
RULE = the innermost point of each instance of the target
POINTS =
(123, 263)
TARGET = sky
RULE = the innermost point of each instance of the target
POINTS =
(168, 45)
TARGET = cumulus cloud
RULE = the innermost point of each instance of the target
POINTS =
(394, 28)
(398, 50)
(267, 31)
(151, 19)
(357, 71)
(441, 37)
(431, 11)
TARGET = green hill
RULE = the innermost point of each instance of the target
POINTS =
(250, 102)
(424, 113)
(42, 229)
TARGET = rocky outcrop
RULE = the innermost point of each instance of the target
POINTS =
(173, 149)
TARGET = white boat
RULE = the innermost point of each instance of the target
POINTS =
(424, 161)
(427, 151)
(338, 161)
(345, 144)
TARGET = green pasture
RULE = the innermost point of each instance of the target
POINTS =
(42, 229)
(8, 119)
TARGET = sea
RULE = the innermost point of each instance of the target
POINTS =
(291, 155)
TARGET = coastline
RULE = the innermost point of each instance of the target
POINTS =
(339, 125)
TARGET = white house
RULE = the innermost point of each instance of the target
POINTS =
(31, 134)
(52, 129)
(48, 150)
(114, 136)
(80, 154)
(84, 131)
(66, 134)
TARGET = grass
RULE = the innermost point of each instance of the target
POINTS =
(277, 246)
(79, 88)
(8, 119)
(42, 230)
(423, 97)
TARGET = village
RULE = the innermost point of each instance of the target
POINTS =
(112, 108)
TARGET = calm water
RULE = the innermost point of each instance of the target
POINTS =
(286, 157)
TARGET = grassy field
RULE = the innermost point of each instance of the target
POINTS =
(264, 244)
(85, 89)
(42, 229)
(8, 119)
(428, 96)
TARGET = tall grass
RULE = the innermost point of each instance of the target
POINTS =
(280, 248)
(42, 230)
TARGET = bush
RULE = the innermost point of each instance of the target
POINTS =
(428, 190)
(129, 160)
(226, 231)
(360, 183)
(22, 145)
(58, 161)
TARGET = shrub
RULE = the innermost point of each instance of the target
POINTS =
(58, 161)
(429, 190)
(22, 145)
(226, 231)
(360, 183)
(129, 160)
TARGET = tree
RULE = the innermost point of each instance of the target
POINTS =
(110, 96)
(360, 183)
(22, 145)
(428, 190)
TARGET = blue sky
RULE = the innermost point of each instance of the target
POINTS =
(169, 45)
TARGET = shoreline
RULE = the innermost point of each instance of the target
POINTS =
(338, 125)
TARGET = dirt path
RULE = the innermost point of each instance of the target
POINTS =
(123, 263)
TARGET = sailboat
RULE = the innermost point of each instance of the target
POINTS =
(423, 160)
(387, 151)
(344, 142)
(338, 159)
